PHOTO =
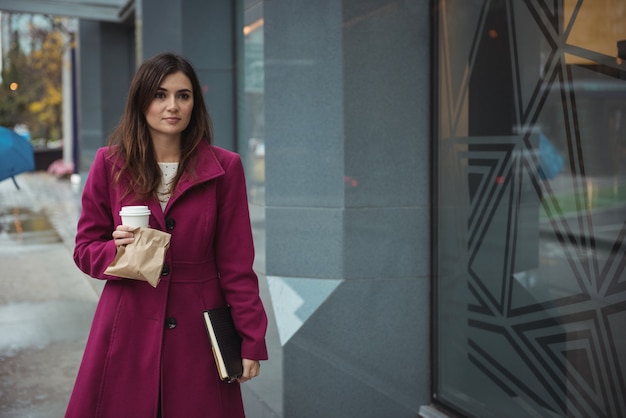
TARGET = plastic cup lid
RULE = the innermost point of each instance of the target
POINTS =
(135, 210)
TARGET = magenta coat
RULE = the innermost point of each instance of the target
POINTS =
(148, 344)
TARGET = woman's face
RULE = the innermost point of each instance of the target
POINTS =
(170, 111)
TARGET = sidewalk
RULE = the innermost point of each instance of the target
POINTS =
(46, 304)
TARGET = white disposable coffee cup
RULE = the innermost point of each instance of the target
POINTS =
(135, 216)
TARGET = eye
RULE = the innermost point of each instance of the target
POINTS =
(159, 95)
(184, 96)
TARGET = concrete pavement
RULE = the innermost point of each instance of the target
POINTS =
(46, 303)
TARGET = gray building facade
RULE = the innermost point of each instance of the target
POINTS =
(344, 199)
(341, 207)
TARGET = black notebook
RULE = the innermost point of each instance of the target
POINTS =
(225, 343)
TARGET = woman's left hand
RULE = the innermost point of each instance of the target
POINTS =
(251, 368)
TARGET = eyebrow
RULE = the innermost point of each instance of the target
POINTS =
(178, 91)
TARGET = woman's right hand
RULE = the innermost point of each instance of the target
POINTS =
(123, 235)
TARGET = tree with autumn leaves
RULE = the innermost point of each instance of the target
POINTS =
(31, 87)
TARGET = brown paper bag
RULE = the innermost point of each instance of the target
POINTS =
(142, 259)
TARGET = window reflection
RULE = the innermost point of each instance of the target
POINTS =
(251, 104)
(531, 277)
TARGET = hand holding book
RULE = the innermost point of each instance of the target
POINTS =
(226, 347)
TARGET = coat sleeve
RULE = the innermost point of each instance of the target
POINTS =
(95, 248)
(235, 255)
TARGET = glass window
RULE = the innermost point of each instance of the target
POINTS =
(531, 208)
(251, 117)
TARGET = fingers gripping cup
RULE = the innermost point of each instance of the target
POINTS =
(135, 216)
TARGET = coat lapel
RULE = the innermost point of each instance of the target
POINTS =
(207, 168)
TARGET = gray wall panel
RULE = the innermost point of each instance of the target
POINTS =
(304, 242)
(219, 100)
(118, 58)
(161, 27)
(387, 242)
(348, 182)
(303, 104)
(90, 132)
(383, 101)
(351, 359)
(208, 33)
(105, 58)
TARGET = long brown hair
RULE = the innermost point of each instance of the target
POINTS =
(132, 137)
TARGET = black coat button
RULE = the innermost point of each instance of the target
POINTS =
(170, 224)
(170, 323)
(165, 270)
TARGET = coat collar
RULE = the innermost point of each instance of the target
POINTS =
(207, 167)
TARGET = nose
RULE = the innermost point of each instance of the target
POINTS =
(172, 104)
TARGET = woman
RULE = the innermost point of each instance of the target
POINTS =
(148, 354)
